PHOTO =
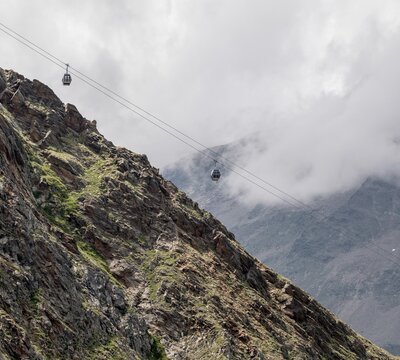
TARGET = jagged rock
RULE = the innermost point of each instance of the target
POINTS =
(49, 139)
(74, 119)
(43, 92)
(17, 100)
(101, 258)
(34, 133)
(2, 82)
(67, 168)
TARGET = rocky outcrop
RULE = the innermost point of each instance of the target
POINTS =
(101, 258)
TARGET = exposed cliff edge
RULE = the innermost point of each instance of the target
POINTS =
(101, 258)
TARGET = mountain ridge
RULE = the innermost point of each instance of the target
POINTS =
(102, 258)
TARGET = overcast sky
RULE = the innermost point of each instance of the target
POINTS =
(317, 81)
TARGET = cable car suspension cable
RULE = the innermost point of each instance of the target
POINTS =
(88, 80)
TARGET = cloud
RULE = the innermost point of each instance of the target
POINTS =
(317, 81)
(344, 133)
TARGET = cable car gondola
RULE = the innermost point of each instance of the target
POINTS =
(66, 80)
(215, 173)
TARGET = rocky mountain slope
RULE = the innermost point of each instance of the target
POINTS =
(101, 258)
(339, 260)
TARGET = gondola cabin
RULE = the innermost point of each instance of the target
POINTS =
(66, 80)
(215, 175)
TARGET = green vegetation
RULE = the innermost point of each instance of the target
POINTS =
(142, 240)
(194, 213)
(89, 307)
(6, 114)
(52, 179)
(73, 140)
(62, 155)
(215, 343)
(187, 209)
(93, 177)
(97, 260)
(112, 350)
(159, 266)
(157, 350)
(62, 203)
(36, 297)
(108, 351)
(92, 255)
(93, 180)
(137, 189)
(59, 205)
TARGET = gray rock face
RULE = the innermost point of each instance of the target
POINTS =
(345, 261)
(102, 258)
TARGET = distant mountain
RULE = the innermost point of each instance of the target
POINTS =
(345, 260)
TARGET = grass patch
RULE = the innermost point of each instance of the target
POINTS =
(6, 114)
(157, 351)
(93, 177)
(108, 351)
(142, 240)
(36, 298)
(60, 204)
(62, 155)
(91, 254)
(73, 139)
(93, 180)
(159, 266)
(89, 307)
(52, 179)
(97, 260)
(1, 182)
(190, 211)
(136, 189)
(179, 200)
(72, 162)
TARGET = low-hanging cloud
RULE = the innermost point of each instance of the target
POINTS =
(316, 81)
(340, 136)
